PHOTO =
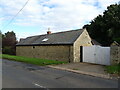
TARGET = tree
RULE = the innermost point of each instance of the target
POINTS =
(9, 42)
(0, 42)
(0, 38)
(106, 28)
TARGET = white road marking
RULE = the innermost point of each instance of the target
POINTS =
(40, 86)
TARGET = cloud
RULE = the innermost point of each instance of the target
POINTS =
(56, 14)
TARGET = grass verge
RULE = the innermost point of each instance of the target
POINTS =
(75, 69)
(35, 61)
(113, 69)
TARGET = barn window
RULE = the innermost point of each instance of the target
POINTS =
(33, 46)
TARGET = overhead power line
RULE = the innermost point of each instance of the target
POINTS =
(16, 14)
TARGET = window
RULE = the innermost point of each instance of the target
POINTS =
(45, 39)
(33, 47)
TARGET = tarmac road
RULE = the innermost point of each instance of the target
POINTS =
(21, 75)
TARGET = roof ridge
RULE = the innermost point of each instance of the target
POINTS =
(66, 31)
(55, 33)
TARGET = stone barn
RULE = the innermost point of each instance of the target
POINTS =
(63, 46)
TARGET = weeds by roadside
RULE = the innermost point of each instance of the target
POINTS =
(113, 69)
(75, 69)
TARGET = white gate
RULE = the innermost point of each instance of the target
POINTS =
(96, 54)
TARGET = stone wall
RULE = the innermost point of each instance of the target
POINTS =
(60, 52)
(115, 54)
(83, 40)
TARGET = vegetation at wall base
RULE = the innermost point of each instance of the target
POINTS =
(113, 69)
(35, 61)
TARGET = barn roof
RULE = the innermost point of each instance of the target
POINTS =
(60, 38)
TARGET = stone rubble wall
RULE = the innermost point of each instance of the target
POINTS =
(115, 54)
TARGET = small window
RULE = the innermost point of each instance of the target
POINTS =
(33, 46)
(45, 39)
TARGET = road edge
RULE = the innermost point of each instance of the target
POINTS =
(82, 72)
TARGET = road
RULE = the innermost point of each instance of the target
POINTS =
(21, 75)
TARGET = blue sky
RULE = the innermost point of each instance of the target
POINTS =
(39, 15)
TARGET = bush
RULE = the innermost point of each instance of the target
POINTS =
(8, 50)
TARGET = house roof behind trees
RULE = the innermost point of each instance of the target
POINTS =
(60, 38)
(94, 42)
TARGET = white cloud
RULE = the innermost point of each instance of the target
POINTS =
(57, 14)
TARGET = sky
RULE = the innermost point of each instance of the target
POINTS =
(39, 15)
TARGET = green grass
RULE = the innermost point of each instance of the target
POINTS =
(35, 61)
(113, 69)
(0, 56)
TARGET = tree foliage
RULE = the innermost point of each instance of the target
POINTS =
(8, 43)
(106, 28)
(0, 42)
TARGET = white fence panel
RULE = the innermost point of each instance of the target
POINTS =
(97, 55)
(104, 55)
(88, 54)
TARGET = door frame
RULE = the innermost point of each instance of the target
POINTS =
(81, 53)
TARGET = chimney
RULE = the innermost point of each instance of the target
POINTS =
(21, 39)
(48, 32)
